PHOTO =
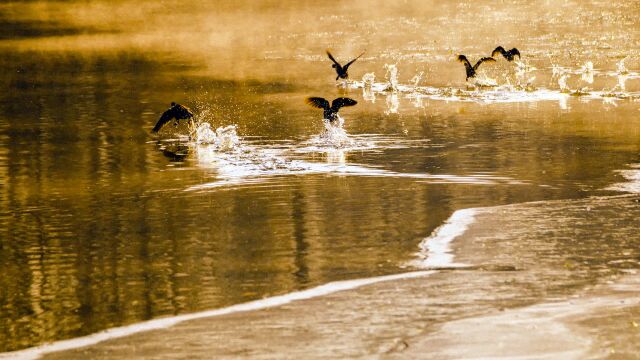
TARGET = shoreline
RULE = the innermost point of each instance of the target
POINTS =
(402, 314)
(167, 322)
(435, 252)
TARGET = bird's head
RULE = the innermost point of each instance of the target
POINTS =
(333, 66)
(173, 103)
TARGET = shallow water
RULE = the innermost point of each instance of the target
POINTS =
(515, 287)
(102, 224)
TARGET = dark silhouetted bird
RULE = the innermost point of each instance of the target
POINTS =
(342, 70)
(330, 112)
(176, 111)
(509, 55)
(471, 70)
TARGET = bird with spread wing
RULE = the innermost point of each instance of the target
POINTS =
(509, 55)
(471, 70)
(330, 111)
(342, 70)
(177, 112)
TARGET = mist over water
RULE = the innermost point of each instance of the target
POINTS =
(103, 224)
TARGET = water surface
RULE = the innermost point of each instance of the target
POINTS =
(101, 225)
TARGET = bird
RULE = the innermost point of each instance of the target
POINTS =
(509, 55)
(330, 112)
(342, 70)
(471, 70)
(177, 111)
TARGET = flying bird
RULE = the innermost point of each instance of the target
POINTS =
(471, 70)
(509, 55)
(342, 70)
(176, 111)
(330, 111)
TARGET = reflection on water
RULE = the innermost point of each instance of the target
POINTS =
(97, 230)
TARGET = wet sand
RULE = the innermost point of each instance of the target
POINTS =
(595, 324)
(525, 296)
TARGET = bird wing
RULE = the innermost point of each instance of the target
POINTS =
(352, 61)
(499, 50)
(463, 59)
(341, 102)
(514, 52)
(475, 67)
(318, 102)
(185, 112)
(165, 118)
(332, 59)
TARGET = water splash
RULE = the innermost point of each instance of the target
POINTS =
(556, 71)
(368, 80)
(224, 138)
(483, 80)
(586, 72)
(523, 74)
(334, 134)
(562, 82)
(227, 138)
(254, 164)
(485, 90)
(416, 79)
(203, 134)
(622, 69)
(391, 76)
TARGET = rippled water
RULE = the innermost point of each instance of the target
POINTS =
(103, 224)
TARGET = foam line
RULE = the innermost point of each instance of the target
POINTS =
(162, 323)
(435, 250)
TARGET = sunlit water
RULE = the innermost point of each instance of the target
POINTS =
(103, 224)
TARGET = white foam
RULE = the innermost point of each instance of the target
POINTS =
(633, 183)
(487, 90)
(435, 250)
(240, 174)
(162, 323)
(245, 164)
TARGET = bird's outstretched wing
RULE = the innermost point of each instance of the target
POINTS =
(514, 52)
(352, 61)
(341, 102)
(332, 59)
(499, 50)
(183, 111)
(165, 118)
(463, 59)
(318, 102)
(475, 67)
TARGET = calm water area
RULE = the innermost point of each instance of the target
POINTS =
(104, 224)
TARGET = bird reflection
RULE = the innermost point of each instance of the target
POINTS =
(622, 82)
(176, 152)
(393, 103)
